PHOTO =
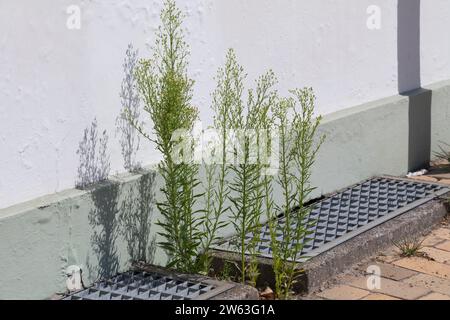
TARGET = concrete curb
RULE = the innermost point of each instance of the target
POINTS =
(318, 270)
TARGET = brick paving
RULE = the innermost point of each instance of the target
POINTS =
(424, 277)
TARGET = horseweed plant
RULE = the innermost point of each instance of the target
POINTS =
(239, 182)
(225, 96)
(246, 187)
(298, 151)
(260, 103)
(167, 91)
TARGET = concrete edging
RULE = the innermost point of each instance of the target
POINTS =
(320, 269)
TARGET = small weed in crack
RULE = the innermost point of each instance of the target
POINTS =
(411, 247)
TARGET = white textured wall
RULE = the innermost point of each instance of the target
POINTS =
(435, 42)
(54, 81)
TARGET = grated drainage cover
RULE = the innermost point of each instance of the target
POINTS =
(149, 286)
(351, 212)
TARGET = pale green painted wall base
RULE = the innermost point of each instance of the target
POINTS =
(41, 238)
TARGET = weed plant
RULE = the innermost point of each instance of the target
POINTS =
(246, 187)
(298, 150)
(166, 90)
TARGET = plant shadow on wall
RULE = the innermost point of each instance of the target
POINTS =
(137, 208)
(136, 213)
(104, 220)
(130, 101)
(94, 165)
(93, 173)
(130, 219)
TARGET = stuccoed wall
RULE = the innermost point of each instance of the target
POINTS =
(54, 81)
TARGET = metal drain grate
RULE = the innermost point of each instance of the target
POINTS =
(351, 212)
(149, 286)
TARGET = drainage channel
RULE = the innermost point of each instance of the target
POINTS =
(351, 212)
(151, 286)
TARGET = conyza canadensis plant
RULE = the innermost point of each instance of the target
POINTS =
(166, 91)
(298, 144)
(246, 120)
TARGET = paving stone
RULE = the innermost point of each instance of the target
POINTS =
(432, 240)
(443, 233)
(439, 175)
(439, 164)
(433, 283)
(379, 296)
(436, 254)
(394, 288)
(444, 246)
(388, 258)
(390, 271)
(425, 266)
(435, 296)
(389, 255)
(425, 178)
(440, 171)
(343, 292)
